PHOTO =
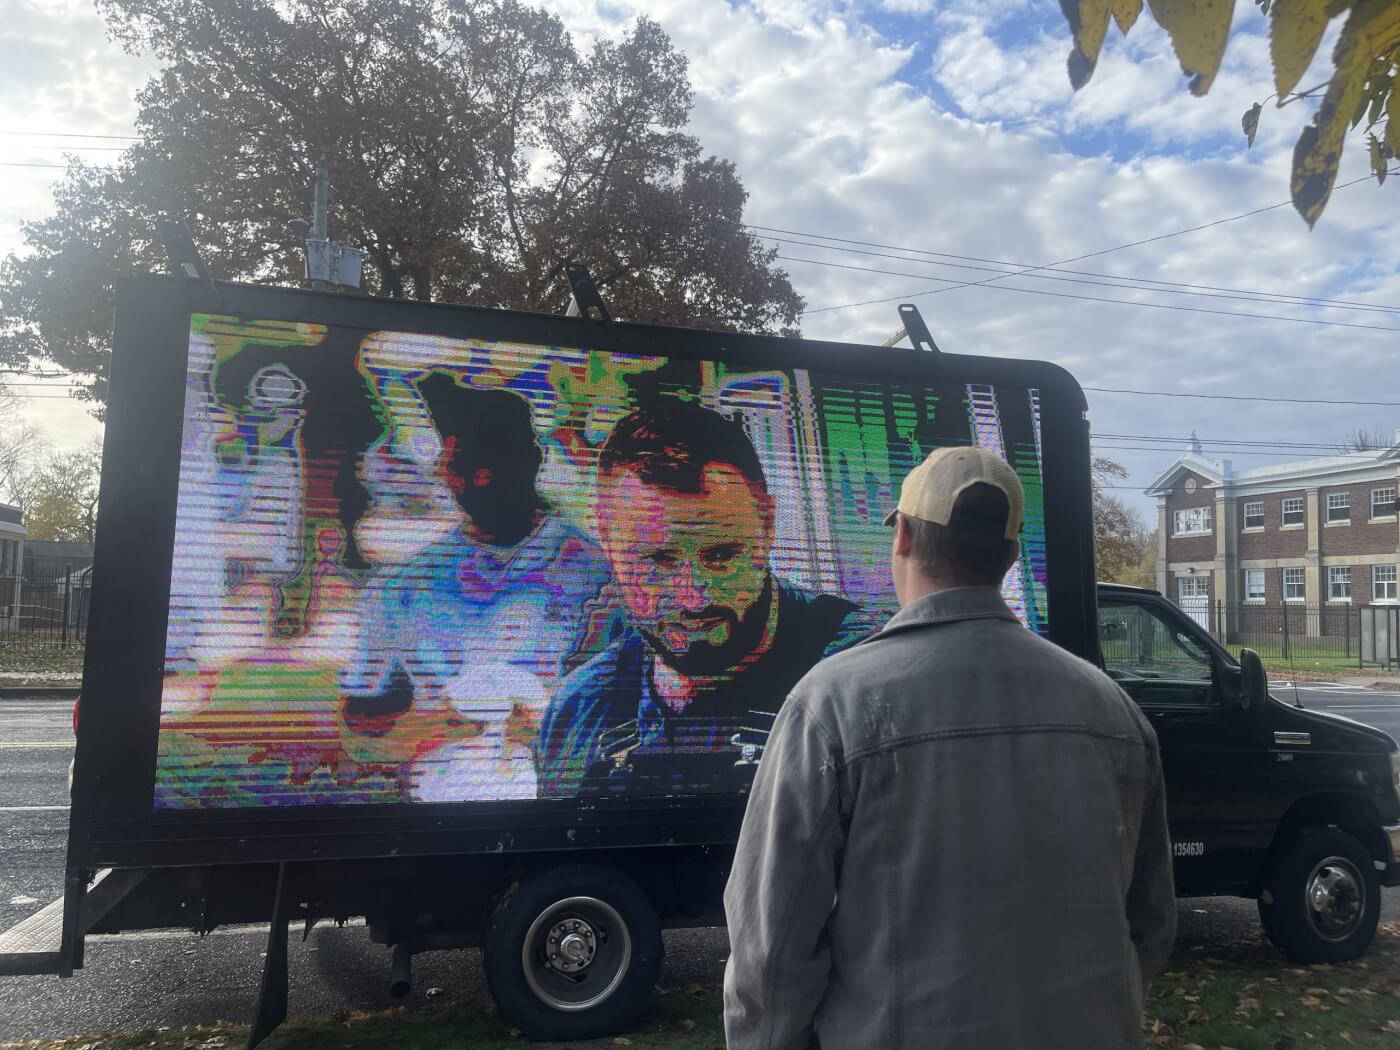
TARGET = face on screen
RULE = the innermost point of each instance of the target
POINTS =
(692, 566)
(414, 568)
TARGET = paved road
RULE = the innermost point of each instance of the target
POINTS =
(1378, 709)
(336, 969)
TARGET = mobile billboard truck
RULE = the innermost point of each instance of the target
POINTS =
(474, 623)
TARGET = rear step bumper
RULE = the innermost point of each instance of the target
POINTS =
(36, 945)
(33, 946)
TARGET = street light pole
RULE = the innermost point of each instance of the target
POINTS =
(329, 264)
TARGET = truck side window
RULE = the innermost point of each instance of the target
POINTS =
(1153, 658)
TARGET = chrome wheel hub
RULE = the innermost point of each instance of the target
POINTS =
(1335, 898)
(572, 945)
(576, 953)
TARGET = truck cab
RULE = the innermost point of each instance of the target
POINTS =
(1297, 809)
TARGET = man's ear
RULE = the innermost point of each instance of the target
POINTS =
(903, 539)
(1013, 552)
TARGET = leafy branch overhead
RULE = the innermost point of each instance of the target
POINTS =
(474, 152)
(1365, 64)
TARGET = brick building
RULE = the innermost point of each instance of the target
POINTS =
(1319, 532)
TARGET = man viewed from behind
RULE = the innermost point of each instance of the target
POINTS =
(957, 837)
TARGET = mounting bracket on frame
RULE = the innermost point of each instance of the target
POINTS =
(183, 255)
(914, 327)
(585, 301)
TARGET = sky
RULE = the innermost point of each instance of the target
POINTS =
(949, 126)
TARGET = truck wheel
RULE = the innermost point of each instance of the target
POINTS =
(573, 953)
(1322, 900)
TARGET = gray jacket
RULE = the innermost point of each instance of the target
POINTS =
(957, 838)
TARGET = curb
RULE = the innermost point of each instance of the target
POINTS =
(39, 692)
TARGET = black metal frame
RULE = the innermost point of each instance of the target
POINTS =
(113, 823)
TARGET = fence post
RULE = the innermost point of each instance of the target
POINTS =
(67, 576)
(1283, 610)
(1347, 621)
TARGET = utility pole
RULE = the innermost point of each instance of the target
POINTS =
(329, 264)
(321, 200)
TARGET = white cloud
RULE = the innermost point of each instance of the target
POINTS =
(58, 73)
(808, 100)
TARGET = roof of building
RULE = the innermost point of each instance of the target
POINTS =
(1220, 472)
(56, 549)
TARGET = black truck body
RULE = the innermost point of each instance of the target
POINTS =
(210, 791)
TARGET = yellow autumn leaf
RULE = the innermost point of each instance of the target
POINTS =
(1372, 28)
(1295, 30)
(1125, 13)
(1088, 21)
(1198, 30)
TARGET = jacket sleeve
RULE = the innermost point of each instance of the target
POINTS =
(1152, 895)
(782, 889)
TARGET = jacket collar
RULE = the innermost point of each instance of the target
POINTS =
(958, 603)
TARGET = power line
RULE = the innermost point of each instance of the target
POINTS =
(1303, 299)
(1176, 449)
(1019, 269)
(1177, 440)
(1089, 298)
(1088, 255)
(104, 149)
(1243, 397)
(1114, 282)
(43, 164)
(69, 135)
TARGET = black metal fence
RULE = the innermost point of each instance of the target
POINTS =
(45, 606)
(1289, 631)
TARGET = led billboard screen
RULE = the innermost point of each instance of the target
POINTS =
(410, 568)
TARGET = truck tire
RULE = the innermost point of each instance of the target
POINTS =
(1322, 900)
(573, 953)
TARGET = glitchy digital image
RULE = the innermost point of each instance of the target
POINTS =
(410, 568)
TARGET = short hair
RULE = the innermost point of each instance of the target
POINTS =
(970, 551)
(669, 443)
(492, 427)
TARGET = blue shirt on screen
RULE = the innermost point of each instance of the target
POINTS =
(477, 624)
(606, 733)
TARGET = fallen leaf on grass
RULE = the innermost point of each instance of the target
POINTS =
(1311, 1000)
(622, 1040)
(688, 1025)
(1392, 1026)
(433, 993)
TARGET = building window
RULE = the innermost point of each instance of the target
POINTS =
(1193, 587)
(1293, 510)
(1194, 521)
(1294, 585)
(1254, 585)
(1383, 583)
(9, 557)
(1339, 583)
(1383, 502)
(1338, 507)
(1254, 515)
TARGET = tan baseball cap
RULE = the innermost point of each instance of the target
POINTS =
(931, 489)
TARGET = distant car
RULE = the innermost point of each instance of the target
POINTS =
(76, 701)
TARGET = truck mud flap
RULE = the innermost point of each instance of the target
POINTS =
(37, 944)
